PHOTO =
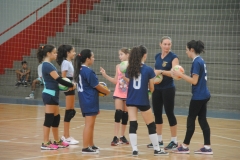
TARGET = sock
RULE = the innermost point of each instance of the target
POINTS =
(159, 138)
(174, 139)
(207, 147)
(154, 140)
(133, 141)
(184, 146)
(32, 92)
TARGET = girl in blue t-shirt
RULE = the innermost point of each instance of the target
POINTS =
(66, 54)
(50, 96)
(200, 97)
(88, 90)
(140, 77)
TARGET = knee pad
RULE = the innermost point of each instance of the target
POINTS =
(118, 115)
(56, 121)
(49, 118)
(124, 118)
(151, 128)
(133, 127)
(69, 114)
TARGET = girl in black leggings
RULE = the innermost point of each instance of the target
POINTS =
(200, 97)
(164, 93)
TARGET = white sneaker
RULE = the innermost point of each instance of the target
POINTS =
(31, 96)
(69, 140)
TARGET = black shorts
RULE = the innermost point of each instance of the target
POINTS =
(49, 99)
(124, 99)
(141, 108)
(72, 92)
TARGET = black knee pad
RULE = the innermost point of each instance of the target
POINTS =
(69, 114)
(152, 128)
(124, 118)
(118, 115)
(133, 127)
(56, 121)
(49, 118)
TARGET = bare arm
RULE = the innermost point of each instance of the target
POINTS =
(167, 73)
(102, 89)
(192, 80)
(151, 85)
(64, 73)
(110, 79)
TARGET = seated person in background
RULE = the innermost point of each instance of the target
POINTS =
(38, 80)
(23, 74)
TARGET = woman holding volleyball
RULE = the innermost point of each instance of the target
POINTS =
(65, 56)
(200, 97)
(140, 77)
(50, 96)
(119, 96)
(164, 92)
(88, 94)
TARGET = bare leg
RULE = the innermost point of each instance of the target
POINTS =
(70, 101)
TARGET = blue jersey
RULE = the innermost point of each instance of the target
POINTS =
(138, 87)
(164, 64)
(50, 84)
(200, 90)
(87, 93)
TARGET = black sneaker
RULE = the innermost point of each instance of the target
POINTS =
(89, 150)
(95, 147)
(171, 146)
(115, 141)
(151, 145)
(135, 153)
(123, 140)
(161, 152)
(18, 84)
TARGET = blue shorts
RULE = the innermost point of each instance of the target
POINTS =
(141, 108)
(90, 114)
(49, 99)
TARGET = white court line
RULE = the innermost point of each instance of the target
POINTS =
(20, 119)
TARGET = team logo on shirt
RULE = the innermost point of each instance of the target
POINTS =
(164, 63)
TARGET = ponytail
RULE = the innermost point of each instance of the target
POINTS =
(62, 53)
(198, 46)
(42, 52)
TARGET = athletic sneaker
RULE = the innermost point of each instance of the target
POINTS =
(204, 151)
(49, 146)
(171, 146)
(161, 152)
(25, 84)
(151, 145)
(69, 140)
(135, 153)
(95, 147)
(115, 141)
(18, 84)
(182, 150)
(123, 140)
(31, 96)
(61, 144)
(89, 150)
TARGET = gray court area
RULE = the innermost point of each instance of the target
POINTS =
(113, 24)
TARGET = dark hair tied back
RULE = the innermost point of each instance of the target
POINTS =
(198, 46)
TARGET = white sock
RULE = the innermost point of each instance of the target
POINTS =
(159, 138)
(133, 141)
(207, 147)
(154, 140)
(184, 146)
(174, 139)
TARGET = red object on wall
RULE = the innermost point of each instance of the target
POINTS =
(37, 33)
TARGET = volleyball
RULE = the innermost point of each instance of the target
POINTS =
(123, 66)
(105, 86)
(62, 87)
(158, 79)
(177, 68)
